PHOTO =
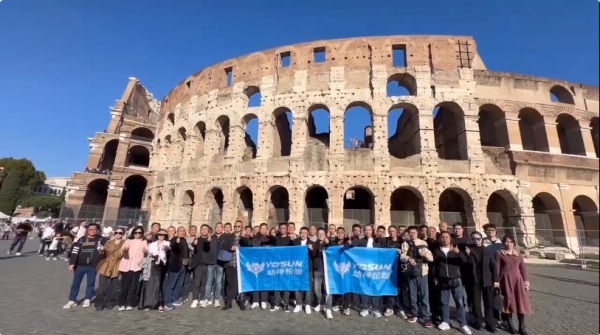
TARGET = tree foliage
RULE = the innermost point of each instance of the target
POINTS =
(9, 194)
(21, 181)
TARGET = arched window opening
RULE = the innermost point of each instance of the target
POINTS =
(279, 205)
(359, 207)
(533, 130)
(138, 156)
(585, 213)
(109, 154)
(142, 134)
(188, 198)
(358, 126)
(569, 135)
(401, 84)
(215, 201)
(254, 96)
(245, 204)
(456, 206)
(404, 131)
(492, 127)
(316, 207)
(199, 139)
(406, 207)
(96, 193)
(562, 95)
(171, 119)
(283, 123)
(223, 128)
(250, 122)
(133, 191)
(318, 125)
(549, 228)
(450, 132)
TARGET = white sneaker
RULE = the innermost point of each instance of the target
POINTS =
(307, 309)
(86, 303)
(388, 312)
(8, 252)
(364, 312)
(317, 308)
(70, 304)
(55, 259)
(47, 258)
(335, 308)
(254, 305)
(402, 315)
(209, 302)
(217, 303)
(328, 314)
(128, 308)
(346, 311)
(18, 254)
(466, 330)
(298, 308)
(194, 304)
(203, 303)
(121, 308)
(443, 326)
(377, 314)
(263, 305)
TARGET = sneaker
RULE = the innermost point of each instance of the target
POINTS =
(335, 308)
(346, 311)
(274, 308)
(297, 309)
(129, 308)
(66, 259)
(428, 324)
(388, 312)
(377, 314)
(18, 254)
(194, 304)
(263, 305)
(307, 309)
(55, 258)
(47, 258)
(402, 315)
(169, 308)
(364, 312)
(203, 303)
(121, 308)
(412, 319)
(286, 308)
(86, 303)
(8, 252)
(70, 304)
(443, 326)
(466, 330)
(254, 305)
(180, 303)
(217, 303)
(209, 302)
(317, 308)
(328, 314)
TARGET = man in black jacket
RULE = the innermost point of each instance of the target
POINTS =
(281, 298)
(199, 262)
(23, 229)
(176, 266)
(231, 243)
(305, 297)
(261, 239)
(491, 294)
(85, 256)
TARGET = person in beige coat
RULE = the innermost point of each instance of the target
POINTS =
(108, 272)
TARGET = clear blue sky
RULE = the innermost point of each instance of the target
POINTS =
(64, 62)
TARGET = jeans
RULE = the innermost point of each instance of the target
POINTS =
(215, 275)
(458, 295)
(419, 297)
(318, 281)
(80, 272)
(200, 278)
(130, 283)
(174, 288)
(305, 297)
(366, 300)
(20, 240)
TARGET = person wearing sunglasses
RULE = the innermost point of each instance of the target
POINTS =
(133, 252)
(474, 283)
(152, 295)
(108, 270)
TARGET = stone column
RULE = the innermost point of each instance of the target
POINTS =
(568, 218)
(380, 143)
(265, 148)
(236, 143)
(122, 151)
(212, 144)
(552, 135)
(299, 133)
(514, 133)
(429, 155)
(336, 149)
(588, 140)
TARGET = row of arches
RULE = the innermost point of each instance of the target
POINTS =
(404, 132)
(407, 207)
(132, 196)
(137, 155)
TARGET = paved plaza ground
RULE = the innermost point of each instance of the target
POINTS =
(33, 291)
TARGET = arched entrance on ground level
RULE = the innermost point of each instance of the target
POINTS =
(133, 191)
(109, 154)
(406, 207)
(503, 211)
(359, 207)
(549, 227)
(456, 206)
(245, 204)
(215, 201)
(94, 200)
(316, 206)
(585, 213)
(278, 200)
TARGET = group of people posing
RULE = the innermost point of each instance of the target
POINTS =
(159, 270)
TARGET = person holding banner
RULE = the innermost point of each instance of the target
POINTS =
(281, 298)
(260, 239)
(200, 262)
(391, 302)
(369, 241)
(338, 299)
(231, 242)
(305, 297)
(415, 255)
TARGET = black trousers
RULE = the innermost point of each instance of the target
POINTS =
(474, 295)
(342, 299)
(200, 278)
(130, 282)
(232, 284)
(491, 305)
(281, 297)
(434, 299)
(260, 296)
(106, 293)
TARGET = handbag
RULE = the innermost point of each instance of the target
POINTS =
(449, 283)
(225, 256)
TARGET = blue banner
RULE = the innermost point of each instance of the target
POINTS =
(368, 271)
(273, 269)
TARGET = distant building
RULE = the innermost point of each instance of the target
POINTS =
(53, 187)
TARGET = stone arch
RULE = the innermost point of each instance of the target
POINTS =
(401, 84)
(251, 131)
(222, 125)
(492, 126)
(450, 131)
(456, 206)
(407, 207)
(109, 154)
(254, 96)
(594, 127)
(171, 119)
(319, 124)
(181, 132)
(404, 137)
(215, 201)
(96, 193)
(533, 130)
(142, 134)
(358, 133)
(283, 123)
(138, 156)
(244, 204)
(199, 139)
(359, 206)
(278, 199)
(560, 94)
(549, 228)
(133, 191)
(188, 198)
(503, 210)
(585, 212)
(316, 206)
(569, 135)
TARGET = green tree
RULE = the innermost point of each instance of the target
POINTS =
(21, 181)
(9, 194)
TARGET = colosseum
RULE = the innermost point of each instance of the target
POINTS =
(385, 130)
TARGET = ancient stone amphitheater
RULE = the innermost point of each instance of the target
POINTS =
(467, 145)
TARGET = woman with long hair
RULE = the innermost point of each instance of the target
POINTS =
(133, 253)
(514, 285)
(108, 272)
(152, 295)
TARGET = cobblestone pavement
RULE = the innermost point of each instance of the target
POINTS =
(33, 290)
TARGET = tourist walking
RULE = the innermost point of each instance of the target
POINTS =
(21, 232)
